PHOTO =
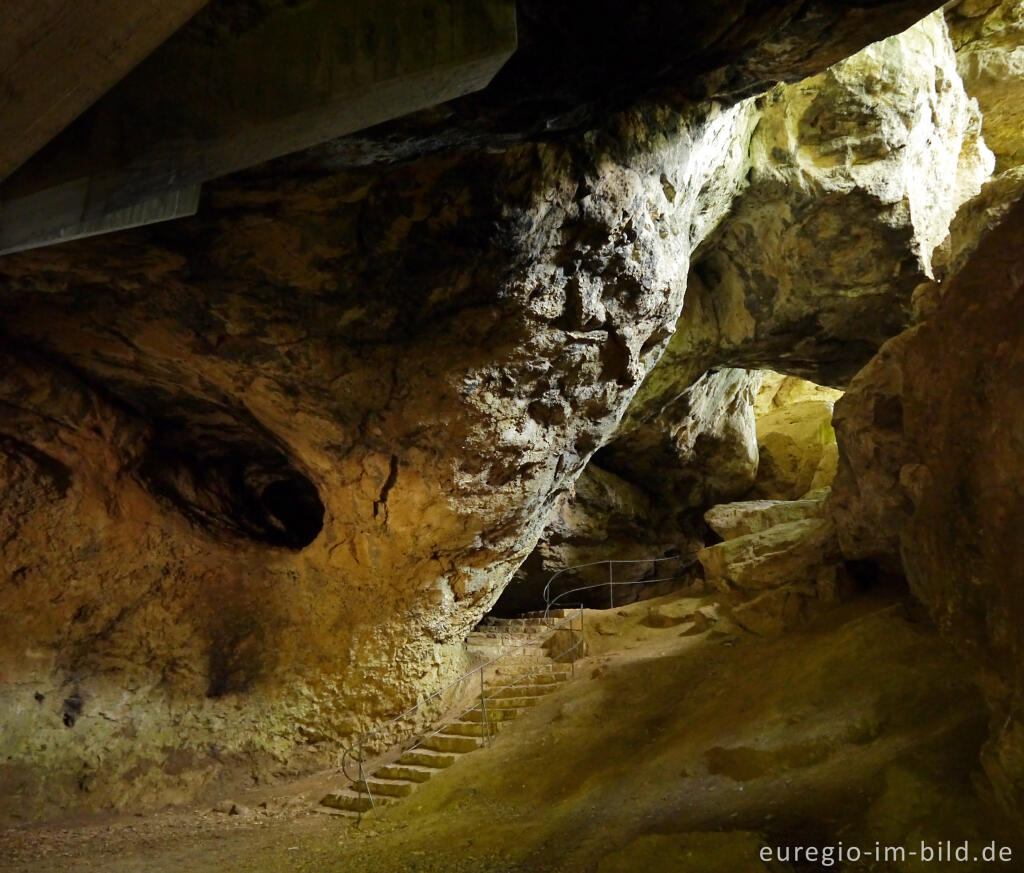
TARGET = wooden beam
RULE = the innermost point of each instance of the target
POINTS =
(224, 95)
(57, 57)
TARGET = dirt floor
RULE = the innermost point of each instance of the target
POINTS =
(683, 745)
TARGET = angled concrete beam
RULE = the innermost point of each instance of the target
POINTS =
(224, 95)
(57, 57)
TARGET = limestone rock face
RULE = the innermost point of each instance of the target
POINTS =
(855, 176)
(868, 503)
(778, 390)
(340, 412)
(772, 557)
(731, 520)
(989, 41)
(700, 449)
(263, 469)
(932, 440)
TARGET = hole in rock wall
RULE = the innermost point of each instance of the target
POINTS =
(238, 490)
(71, 709)
(229, 476)
(295, 504)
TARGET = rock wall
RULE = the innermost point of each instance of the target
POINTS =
(988, 38)
(932, 443)
(700, 449)
(326, 421)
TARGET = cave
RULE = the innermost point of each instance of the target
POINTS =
(512, 437)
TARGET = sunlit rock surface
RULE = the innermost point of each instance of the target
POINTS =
(779, 561)
(989, 41)
(730, 520)
(774, 556)
(796, 450)
(854, 177)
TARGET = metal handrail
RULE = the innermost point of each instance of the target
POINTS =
(357, 753)
(611, 583)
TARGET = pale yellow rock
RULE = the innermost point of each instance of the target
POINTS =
(778, 389)
(989, 40)
(731, 520)
(790, 552)
(796, 450)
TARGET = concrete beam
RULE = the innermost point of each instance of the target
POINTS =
(222, 95)
(57, 57)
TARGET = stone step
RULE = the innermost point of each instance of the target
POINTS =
(385, 787)
(349, 800)
(498, 648)
(510, 702)
(538, 669)
(449, 743)
(514, 665)
(518, 691)
(493, 714)
(431, 758)
(552, 613)
(549, 678)
(470, 728)
(404, 771)
(501, 630)
(340, 813)
(478, 638)
(519, 629)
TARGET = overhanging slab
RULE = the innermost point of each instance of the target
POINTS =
(57, 57)
(217, 98)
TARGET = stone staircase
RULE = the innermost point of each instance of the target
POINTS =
(522, 675)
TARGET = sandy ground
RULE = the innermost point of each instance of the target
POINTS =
(673, 750)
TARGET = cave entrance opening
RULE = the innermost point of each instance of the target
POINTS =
(604, 584)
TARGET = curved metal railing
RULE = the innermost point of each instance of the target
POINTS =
(550, 601)
(384, 734)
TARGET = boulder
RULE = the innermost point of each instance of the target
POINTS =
(701, 449)
(732, 520)
(796, 551)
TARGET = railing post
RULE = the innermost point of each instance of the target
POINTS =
(483, 709)
(572, 660)
(611, 587)
(362, 780)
